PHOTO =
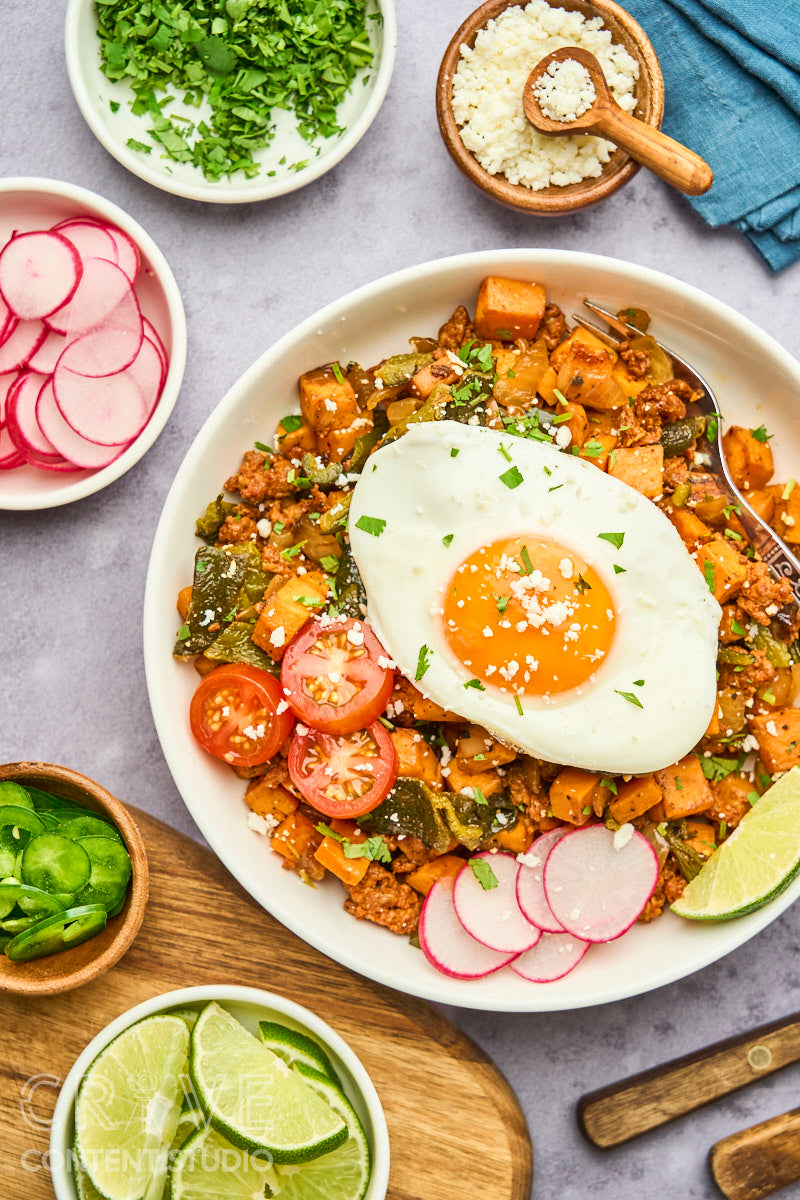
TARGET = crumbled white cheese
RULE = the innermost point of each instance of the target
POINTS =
(622, 836)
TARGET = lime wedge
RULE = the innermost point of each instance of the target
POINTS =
(344, 1173)
(293, 1046)
(253, 1098)
(128, 1108)
(84, 1186)
(756, 863)
(210, 1168)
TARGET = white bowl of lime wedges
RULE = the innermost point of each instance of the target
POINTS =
(224, 1091)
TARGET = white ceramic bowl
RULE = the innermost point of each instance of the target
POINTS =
(94, 93)
(249, 1005)
(37, 204)
(732, 353)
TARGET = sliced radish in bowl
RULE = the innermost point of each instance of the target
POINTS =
(485, 900)
(447, 945)
(127, 251)
(10, 456)
(111, 345)
(90, 239)
(101, 288)
(598, 882)
(23, 343)
(39, 272)
(64, 438)
(23, 427)
(530, 883)
(110, 411)
(551, 958)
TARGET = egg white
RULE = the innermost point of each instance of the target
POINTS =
(667, 620)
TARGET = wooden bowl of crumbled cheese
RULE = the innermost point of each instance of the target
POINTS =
(479, 101)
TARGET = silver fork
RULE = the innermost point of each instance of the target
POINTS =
(770, 548)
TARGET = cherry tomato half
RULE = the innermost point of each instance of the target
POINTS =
(332, 677)
(344, 775)
(234, 715)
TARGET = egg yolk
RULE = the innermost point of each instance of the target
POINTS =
(529, 616)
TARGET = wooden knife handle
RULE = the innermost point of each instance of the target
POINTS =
(625, 1110)
(760, 1160)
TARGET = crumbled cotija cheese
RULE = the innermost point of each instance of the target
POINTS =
(565, 90)
(487, 95)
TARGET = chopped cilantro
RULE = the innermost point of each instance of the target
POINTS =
(582, 585)
(373, 525)
(337, 371)
(638, 683)
(448, 539)
(716, 768)
(629, 696)
(560, 397)
(592, 449)
(423, 662)
(753, 797)
(278, 527)
(678, 783)
(738, 629)
(502, 603)
(761, 434)
(723, 829)
(374, 848)
(483, 873)
(511, 374)
(504, 451)
(555, 487)
(609, 783)
(183, 633)
(475, 683)
(291, 423)
(586, 810)
(114, 105)
(139, 147)
(454, 452)
(709, 574)
(518, 703)
(512, 478)
(329, 563)
(618, 570)
(263, 447)
(712, 425)
(526, 561)
(292, 551)
(478, 796)
(616, 539)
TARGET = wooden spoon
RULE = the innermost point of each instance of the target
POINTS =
(667, 158)
(758, 1161)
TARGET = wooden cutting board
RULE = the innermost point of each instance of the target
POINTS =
(455, 1126)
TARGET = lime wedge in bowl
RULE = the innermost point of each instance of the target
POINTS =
(253, 1098)
(128, 1107)
(293, 1046)
(756, 863)
(208, 1167)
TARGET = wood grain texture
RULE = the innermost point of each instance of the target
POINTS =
(625, 1110)
(758, 1161)
(452, 1117)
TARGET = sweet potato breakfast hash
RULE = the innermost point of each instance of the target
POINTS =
(408, 676)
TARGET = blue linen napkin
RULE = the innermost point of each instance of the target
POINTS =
(732, 81)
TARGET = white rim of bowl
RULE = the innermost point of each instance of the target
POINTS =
(177, 359)
(441, 990)
(224, 192)
(258, 998)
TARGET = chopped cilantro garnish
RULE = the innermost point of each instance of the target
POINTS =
(292, 551)
(502, 603)
(278, 527)
(263, 447)
(678, 783)
(374, 848)
(733, 535)
(738, 629)
(560, 397)
(753, 797)
(447, 539)
(555, 487)
(518, 703)
(716, 768)
(511, 374)
(291, 423)
(586, 810)
(373, 525)
(454, 452)
(638, 683)
(616, 539)
(512, 478)
(483, 873)
(723, 829)
(709, 573)
(761, 434)
(337, 371)
(582, 585)
(114, 105)
(592, 449)
(526, 561)
(183, 633)
(712, 425)
(475, 683)
(629, 696)
(618, 570)
(329, 563)
(139, 147)
(478, 795)
(504, 451)
(609, 783)
(423, 662)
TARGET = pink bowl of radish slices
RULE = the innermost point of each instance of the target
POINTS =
(92, 343)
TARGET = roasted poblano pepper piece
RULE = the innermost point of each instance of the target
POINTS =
(235, 644)
(732, 657)
(222, 575)
(256, 579)
(432, 410)
(322, 476)
(678, 437)
(401, 367)
(690, 863)
(415, 810)
(776, 651)
(337, 515)
(208, 526)
(350, 597)
(362, 448)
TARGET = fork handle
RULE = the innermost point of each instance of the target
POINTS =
(760, 1160)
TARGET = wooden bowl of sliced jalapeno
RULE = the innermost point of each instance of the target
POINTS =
(73, 879)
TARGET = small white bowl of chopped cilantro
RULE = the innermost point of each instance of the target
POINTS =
(233, 101)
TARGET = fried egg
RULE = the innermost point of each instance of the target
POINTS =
(535, 595)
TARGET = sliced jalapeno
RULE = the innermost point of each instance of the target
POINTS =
(54, 934)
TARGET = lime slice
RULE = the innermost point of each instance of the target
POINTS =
(293, 1046)
(756, 863)
(344, 1173)
(210, 1168)
(189, 1015)
(128, 1108)
(84, 1186)
(252, 1097)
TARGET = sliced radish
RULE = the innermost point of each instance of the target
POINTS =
(551, 958)
(530, 883)
(45, 358)
(447, 945)
(102, 287)
(23, 343)
(112, 345)
(148, 373)
(151, 332)
(491, 914)
(127, 251)
(67, 442)
(6, 384)
(39, 272)
(8, 322)
(597, 882)
(10, 457)
(90, 239)
(110, 411)
(21, 419)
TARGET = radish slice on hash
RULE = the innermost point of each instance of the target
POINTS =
(38, 273)
(110, 410)
(597, 882)
(23, 343)
(21, 419)
(447, 945)
(552, 958)
(485, 900)
(530, 883)
(66, 441)
(102, 287)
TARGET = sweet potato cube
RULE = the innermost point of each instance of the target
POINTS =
(692, 530)
(749, 459)
(459, 780)
(336, 444)
(582, 337)
(641, 468)
(269, 800)
(685, 789)
(479, 751)
(330, 854)
(733, 797)
(724, 568)
(547, 386)
(763, 501)
(446, 866)
(415, 758)
(701, 837)
(630, 385)
(634, 798)
(597, 447)
(577, 421)
(325, 401)
(411, 699)
(571, 795)
(778, 734)
(509, 308)
(517, 840)
(786, 516)
(293, 835)
(427, 378)
(287, 610)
